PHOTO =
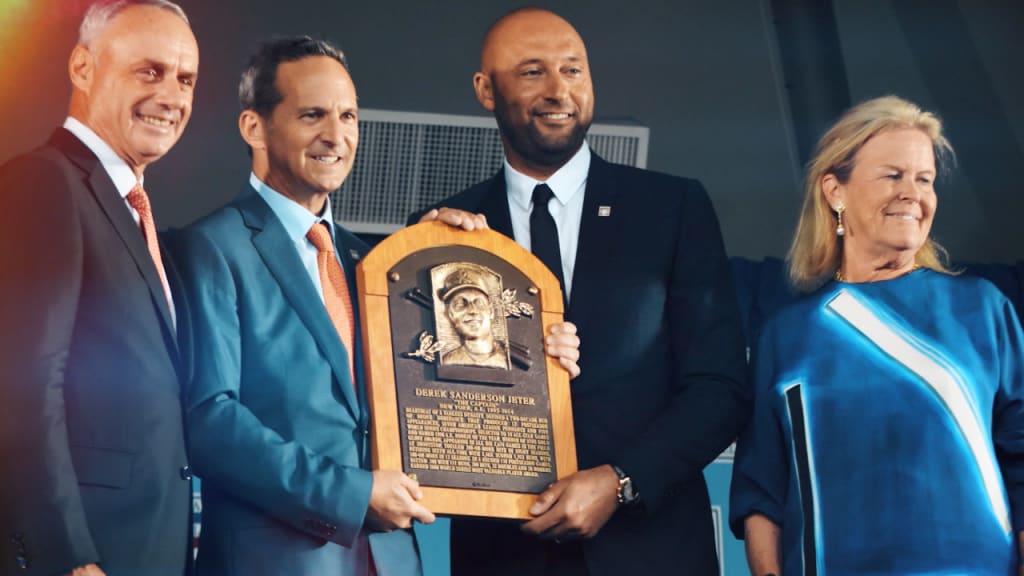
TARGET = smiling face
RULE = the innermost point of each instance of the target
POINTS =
(133, 84)
(889, 198)
(306, 148)
(470, 312)
(536, 79)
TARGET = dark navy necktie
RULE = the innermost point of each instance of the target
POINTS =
(544, 233)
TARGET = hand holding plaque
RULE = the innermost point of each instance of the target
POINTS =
(462, 394)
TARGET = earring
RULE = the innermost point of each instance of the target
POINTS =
(840, 229)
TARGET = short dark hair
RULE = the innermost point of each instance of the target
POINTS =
(257, 91)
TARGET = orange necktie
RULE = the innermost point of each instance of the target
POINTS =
(335, 289)
(137, 199)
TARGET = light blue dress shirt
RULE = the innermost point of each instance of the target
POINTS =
(297, 221)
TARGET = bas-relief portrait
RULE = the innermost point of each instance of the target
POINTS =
(466, 299)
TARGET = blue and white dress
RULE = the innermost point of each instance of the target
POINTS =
(888, 430)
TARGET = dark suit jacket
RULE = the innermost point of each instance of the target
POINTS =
(663, 389)
(277, 429)
(91, 441)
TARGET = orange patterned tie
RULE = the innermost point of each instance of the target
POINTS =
(137, 199)
(335, 289)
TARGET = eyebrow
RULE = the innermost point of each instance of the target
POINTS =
(901, 169)
(150, 63)
(527, 61)
(164, 66)
(303, 108)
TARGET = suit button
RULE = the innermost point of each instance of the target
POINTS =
(22, 561)
(366, 432)
(324, 529)
(186, 473)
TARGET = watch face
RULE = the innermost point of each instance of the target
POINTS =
(626, 494)
(627, 491)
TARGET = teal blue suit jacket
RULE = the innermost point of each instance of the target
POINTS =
(277, 430)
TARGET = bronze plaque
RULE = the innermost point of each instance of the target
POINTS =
(463, 397)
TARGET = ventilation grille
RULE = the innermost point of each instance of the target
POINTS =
(409, 160)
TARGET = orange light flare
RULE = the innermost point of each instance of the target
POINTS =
(36, 37)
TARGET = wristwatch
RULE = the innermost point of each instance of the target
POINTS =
(626, 493)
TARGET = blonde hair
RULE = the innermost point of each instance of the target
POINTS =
(816, 252)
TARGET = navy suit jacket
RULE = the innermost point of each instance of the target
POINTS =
(663, 386)
(92, 449)
(277, 429)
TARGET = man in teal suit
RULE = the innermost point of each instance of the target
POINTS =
(277, 415)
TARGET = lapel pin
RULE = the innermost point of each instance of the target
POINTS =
(604, 210)
(353, 254)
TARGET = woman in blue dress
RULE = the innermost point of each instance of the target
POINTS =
(888, 427)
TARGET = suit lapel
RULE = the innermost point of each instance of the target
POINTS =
(597, 238)
(495, 205)
(278, 253)
(113, 206)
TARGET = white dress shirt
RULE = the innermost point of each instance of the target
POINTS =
(568, 185)
(120, 173)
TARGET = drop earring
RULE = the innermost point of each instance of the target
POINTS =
(840, 229)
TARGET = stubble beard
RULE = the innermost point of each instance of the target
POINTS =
(529, 143)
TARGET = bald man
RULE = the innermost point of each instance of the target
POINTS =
(92, 453)
(663, 388)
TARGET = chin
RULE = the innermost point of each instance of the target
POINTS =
(154, 150)
(558, 147)
(907, 246)
(553, 140)
(149, 156)
(326, 184)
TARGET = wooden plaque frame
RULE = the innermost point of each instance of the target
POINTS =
(375, 287)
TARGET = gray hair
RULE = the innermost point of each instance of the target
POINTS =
(99, 15)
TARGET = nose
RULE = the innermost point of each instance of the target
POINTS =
(337, 131)
(911, 189)
(557, 87)
(174, 95)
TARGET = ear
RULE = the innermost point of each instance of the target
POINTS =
(484, 90)
(833, 190)
(253, 129)
(81, 65)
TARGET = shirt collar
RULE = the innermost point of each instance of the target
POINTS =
(564, 183)
(118, 170)
(297, 220)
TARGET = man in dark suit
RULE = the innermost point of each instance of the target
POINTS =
(277, 414)
(93, 474)
(663, 387)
